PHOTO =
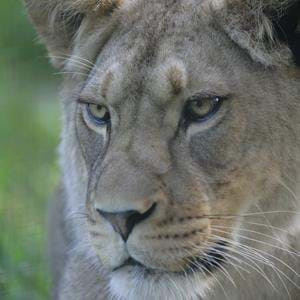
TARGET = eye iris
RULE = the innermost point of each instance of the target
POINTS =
(200, 109)
(98, 113)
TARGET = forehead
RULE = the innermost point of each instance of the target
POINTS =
(153, 38)
(150, 31)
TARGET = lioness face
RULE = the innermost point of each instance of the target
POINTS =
(172, 127)
(171, 136)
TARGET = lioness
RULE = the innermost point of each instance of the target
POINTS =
(180, 148)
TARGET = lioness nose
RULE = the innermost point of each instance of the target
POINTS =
(123, 222)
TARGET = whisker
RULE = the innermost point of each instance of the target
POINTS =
(256, 252)
(216, 216)
(267, 226)
(79, 64)
(252, 231)
(203, 268)
(295, 198)
(70, 73)
(236, 267)
(256, 267)
(224, 271)
(273, 228)
(276, 270)
(228, 260)
(72, 56)
(269, 264)
(277, 259)
(258, 241)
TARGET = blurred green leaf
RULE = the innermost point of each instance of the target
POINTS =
(29, 130)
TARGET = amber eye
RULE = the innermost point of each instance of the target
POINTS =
(98, 114)
(200, 109)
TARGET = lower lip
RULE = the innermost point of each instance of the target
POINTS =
(129, 263)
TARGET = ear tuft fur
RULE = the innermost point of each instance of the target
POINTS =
(266, 29)
(57, 22)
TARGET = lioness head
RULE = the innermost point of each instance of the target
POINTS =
(181, 128)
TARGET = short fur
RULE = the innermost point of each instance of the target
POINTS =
(232, 181)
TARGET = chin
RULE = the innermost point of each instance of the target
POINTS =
(135, 283)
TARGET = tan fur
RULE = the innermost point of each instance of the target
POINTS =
(227, 186)
(177, 79)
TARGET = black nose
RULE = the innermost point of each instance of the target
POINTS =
(123, 222)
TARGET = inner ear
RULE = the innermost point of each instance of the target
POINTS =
(287, 29)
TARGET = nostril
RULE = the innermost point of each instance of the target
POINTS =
(124, 222)
(137, 217)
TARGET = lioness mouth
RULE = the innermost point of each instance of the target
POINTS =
(207, 263)
(129, 262)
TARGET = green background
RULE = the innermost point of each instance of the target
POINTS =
(29, 173)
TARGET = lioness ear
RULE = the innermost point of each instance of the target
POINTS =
(269, 30)
(287, 28)
(57, 22)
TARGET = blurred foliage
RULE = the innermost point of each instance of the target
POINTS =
(29, 130)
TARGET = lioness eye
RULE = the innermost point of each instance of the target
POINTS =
(200, 109)
(98, 114)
